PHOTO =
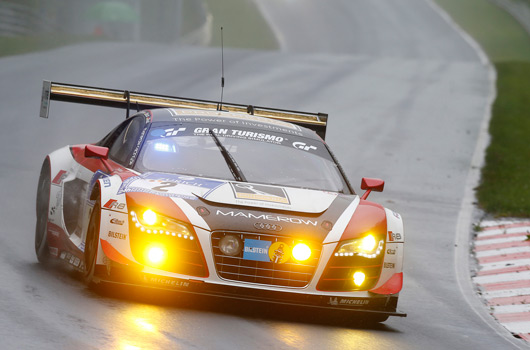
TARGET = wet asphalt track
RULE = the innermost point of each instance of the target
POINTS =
(406, 95)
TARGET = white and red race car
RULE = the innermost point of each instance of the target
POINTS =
(227, 200)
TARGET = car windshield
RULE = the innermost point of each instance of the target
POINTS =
(263, 157)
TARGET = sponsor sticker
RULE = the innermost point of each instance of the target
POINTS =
(53, 232)
(262, 193)
(168, 185)
(279, 252)
(303, 146)
(98, 175)
(53, 251)
(117, 235)
(166, 281)
(256, 250)
(394, 236)
(58, 179)
(114, 204)
(116, 221)
(172, 132)
(268, 217)
(233, 118)
(337, 301)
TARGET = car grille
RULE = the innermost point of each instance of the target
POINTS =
(337, 276)
(288, 274)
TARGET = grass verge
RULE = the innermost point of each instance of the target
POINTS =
(504, 189)
(17, 45)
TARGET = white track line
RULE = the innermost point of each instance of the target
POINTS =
(504, 264)
(504, 251)
(507, 293)
(500, 240)
(500, 231)
(503, 277)
(508, 309)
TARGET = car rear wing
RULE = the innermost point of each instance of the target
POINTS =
(139, 101)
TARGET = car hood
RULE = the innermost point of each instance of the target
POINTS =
(243, 194)
(240, 206)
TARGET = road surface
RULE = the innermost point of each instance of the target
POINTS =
(406, 95)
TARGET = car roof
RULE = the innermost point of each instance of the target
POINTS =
(224, 118)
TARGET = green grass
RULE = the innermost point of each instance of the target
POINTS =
(17, 45)
(505, 184)
(499, 34)
(243, 25)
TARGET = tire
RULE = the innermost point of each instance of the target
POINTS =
(43, 204)
(92, 244)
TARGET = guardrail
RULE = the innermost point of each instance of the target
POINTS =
(15, 19)
(186, 21)
(19, 19)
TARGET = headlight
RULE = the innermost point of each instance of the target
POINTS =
(149, 217)
(367, 246)
(150, 222)
(230, 245)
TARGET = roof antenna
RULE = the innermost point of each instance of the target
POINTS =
(220, 106)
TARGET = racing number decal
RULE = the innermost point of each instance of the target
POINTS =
(164, 185)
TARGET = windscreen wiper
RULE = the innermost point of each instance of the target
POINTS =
(232, 165)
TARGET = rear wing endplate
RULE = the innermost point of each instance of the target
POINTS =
(52, 91)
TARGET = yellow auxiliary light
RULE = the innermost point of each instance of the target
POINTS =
(155, 254)
(358, 278)
(149, 217)
(301, 252)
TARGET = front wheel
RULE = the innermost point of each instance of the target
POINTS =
(92, 244)
(43, 204)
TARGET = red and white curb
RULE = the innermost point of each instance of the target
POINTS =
(502, 250)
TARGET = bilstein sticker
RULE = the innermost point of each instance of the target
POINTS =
(256, 250)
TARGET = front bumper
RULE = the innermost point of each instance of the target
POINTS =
(375, 304)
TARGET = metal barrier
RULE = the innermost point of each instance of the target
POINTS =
(16, 19)
(167, 21)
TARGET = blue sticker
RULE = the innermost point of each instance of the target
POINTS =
(98, 175)
(167, 185)
(256, 250)
(157, 132)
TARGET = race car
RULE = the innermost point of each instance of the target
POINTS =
(219, 199)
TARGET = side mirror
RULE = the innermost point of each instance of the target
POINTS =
(96, 151)
(370, 185)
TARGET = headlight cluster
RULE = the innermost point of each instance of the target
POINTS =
(367, 247)
(150, 222)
